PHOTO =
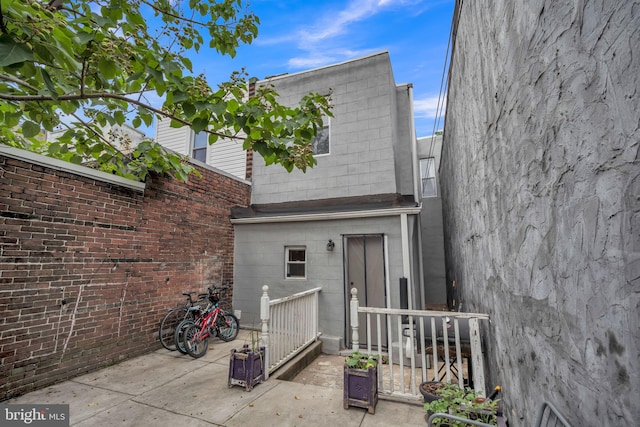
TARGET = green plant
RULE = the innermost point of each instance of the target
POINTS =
(359, 360)
(463, 402)
(80, 65)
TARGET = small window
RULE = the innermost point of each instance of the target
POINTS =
(199, 151)
(428, 177)
(320, 142)
(295, 262)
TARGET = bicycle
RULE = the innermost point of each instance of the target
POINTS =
(175, 316)
(196, 314)
(214, 322)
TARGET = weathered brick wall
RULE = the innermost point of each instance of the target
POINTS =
(88, 268)
(541, 194)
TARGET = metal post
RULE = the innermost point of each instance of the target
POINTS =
(264, 317)
(355, 336)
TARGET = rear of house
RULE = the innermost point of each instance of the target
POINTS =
(351, 221)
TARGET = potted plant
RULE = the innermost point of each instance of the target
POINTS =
(430, 390)
(464, 403)
(361, 381)
(246, 366)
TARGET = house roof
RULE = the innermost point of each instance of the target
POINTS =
(324, 206)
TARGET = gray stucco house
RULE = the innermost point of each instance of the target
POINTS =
(354, 220)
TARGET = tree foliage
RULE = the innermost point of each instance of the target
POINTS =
(101, 62)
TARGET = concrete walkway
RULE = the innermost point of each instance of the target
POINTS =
(166, 388)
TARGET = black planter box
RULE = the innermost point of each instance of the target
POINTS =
(361, 388)
(246, 368)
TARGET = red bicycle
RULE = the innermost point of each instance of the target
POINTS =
(215, 322)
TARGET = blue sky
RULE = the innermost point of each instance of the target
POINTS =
(297, 35)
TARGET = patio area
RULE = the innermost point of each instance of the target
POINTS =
(167, 388)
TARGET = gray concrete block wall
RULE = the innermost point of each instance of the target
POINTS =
(259, 261)
(363, 95)
(541, 185)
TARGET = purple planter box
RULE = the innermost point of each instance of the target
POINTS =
(361, 388)
(246, 368)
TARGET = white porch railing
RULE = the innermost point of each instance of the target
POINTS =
(289, 325)
(409, 358)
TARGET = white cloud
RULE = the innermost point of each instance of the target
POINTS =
(313, 59)
(315, 39)
(428, 107)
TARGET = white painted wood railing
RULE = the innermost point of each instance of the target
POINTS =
(289, 325)
(436, 342)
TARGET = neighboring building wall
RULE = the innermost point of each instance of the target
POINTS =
(90, 262)
(226, 155)
(541, 178)
(361, 134)
(175, 139)
(431, 220)
(124, 138)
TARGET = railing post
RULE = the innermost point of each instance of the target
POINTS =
(264, 317)
(355, 335)
(477, 356)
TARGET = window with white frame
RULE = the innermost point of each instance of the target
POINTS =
(320, 142)
(199, 149)
(295, 262)
(428, 177)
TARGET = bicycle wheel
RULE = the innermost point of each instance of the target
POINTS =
(168, 325)
(195, 346)
(179, 335)
(228, 327)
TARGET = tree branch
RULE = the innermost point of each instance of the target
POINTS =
(96, 133)
(172, 15)
(18, 82)
(106, 95)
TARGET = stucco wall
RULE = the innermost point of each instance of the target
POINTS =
(541, 185)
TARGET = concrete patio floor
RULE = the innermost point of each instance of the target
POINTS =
(166, 388)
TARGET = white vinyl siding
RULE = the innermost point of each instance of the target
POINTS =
(228, 155)
(175, 139)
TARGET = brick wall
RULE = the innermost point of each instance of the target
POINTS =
(88, 268)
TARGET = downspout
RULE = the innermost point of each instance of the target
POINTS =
(406, 265)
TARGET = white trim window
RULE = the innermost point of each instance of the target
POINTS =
(428, 177)
(199, 146)
(321, 142)
(295, 262)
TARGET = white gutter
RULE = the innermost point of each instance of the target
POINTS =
(329, 216)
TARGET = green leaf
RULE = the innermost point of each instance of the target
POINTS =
(107, 67)
(30, 129)
(199, 124)
(189, 109)
(49, 83)
(12, 52)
